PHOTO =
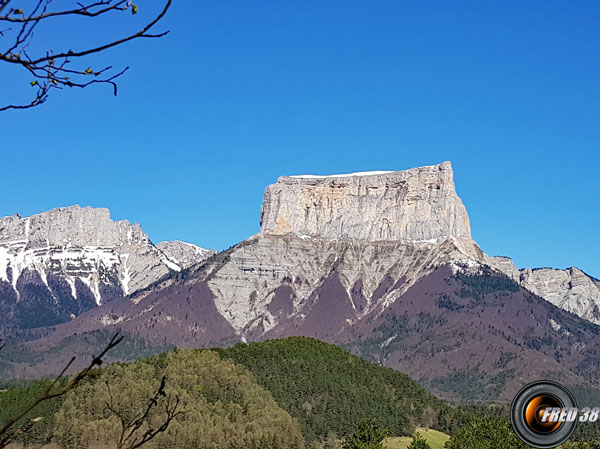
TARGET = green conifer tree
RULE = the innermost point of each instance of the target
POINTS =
(367, 435)
(418, 442)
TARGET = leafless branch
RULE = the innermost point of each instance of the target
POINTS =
(129, 427)
(49, 71)
(9, 430)
(91, 10)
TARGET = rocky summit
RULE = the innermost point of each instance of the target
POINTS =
(380, 262)
(365, 228)
(185, 254)
(417, 204)
(570, 289)
(58, 264)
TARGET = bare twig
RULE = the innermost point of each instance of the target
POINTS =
(105, 6)
(129, 427)
(9, 430)
(50, 71)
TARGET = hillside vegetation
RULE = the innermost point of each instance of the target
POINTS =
(323, 387)
(281, 393)
(330, 390)
(219, 406)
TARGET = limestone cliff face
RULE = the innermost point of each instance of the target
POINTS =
(60, 263)
(80, 244)
(570, 289)
(375, 260)
(75, 225)
(379, 232)
(248, 288)
(415, 204)
(376, 232)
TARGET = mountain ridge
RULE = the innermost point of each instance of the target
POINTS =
(71, 259)
(318, 267)
(571, 288)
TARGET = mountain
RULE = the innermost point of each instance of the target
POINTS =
(184, 254)
(382, 263)
(311, 228)
(414, 205)
(570, 289)
(57, 264)
(478, 335)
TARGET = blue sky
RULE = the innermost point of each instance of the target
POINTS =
(242, 92)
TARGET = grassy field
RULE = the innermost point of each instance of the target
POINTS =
(434, 438)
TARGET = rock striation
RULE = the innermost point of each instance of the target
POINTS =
(382, 262)
(415, 204)
(376, 232)
(571, 289)
(68, 260)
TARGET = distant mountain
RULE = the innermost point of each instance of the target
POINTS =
(58, 264)
(380, 262)
(570, 289)
(478, 335)
(184, 254)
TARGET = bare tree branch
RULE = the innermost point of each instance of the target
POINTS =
(105, 6)
(9, 430)
(129, 427)
(50, 71)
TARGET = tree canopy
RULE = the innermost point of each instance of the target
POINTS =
(330, 390)
(221, 404)
(489, 432)
(367, 435)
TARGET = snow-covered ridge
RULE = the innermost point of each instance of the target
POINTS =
(444, 166)
(79, 254)
(184, 254)
(193, 247)
(83, 263)
(347, 175)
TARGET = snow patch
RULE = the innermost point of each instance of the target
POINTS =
(107, 321)
(557, 327)
(386, 343)
(126, 276)
(4, 263)
(169, 263)
(347, 175)
(71, 283)
(93, 285)
(426, 240)
(197, 249)
(467, 266)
